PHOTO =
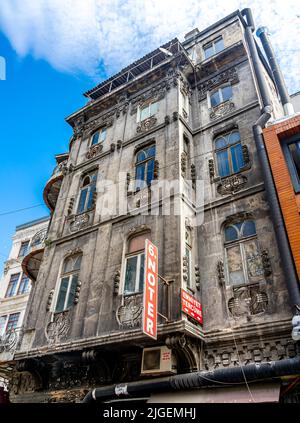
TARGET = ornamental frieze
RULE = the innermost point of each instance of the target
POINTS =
(146, 124)
(229, 75)
(232, 184)
(58, 329)
(129, 313)
(221, 110)
(79, 222)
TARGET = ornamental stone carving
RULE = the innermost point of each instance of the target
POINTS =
(23, 382)
(79, 222)
(146, 124)
(232, 184)
(249, 352)
(39, 238)
(247, 301)
(59, 328)
(9, 340)
(94, 151)
(229, 75)
(221, 110)
(130, 312)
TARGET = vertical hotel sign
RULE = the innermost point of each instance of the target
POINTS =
(150, 290)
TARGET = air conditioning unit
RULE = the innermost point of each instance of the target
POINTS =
(158, 360)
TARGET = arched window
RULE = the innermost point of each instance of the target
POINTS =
(229, 153)
(87, 192)
(243, 257)
(68, 283)
(220, 95)
(99, 136)
(144, 166)
(134, 264)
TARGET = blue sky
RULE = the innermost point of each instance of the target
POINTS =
(55, 50)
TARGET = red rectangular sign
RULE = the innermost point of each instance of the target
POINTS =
(191, 306)
(150, 290)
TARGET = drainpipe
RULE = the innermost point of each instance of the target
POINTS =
(281, 237)
(263, 34)
(228, 376)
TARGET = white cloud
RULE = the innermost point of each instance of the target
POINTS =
(79, 36)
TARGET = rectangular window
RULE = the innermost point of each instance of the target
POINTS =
(2, 324)
(99, 136)
(147, 111)
(24, 285)
(12, 321)
(291, 149)
(24, 249)
(12, 286)
(213, 47)
(134, 274)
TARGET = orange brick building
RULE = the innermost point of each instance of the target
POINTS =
(282, 140)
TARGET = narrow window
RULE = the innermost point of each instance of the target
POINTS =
(213, 47)
(99, 136)
(12, 322)
(134, 264)
(12, 286)
(24, 285)
(87, 192)
(2, 324)
(24, 249)
(244, 262)
(188, 255)
(144, 167)
(68, 283)
(291, 149)
(229, 154)
(221, 95)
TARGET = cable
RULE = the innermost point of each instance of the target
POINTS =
(19, 210)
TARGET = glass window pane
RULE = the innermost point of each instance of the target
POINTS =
(130, 275)
(24, 249)
(219, 45)
(145, 112)
(68, 265)
(12, 321)
(12, 286)
(208, 51)
(72, 291)
(103, 134)
(226, 93)
(150, 171)
(220, 142)
(223, 163)
(249, 228)
(141, 156)
(215, 99)
(150, 152)
(95, 138)
(77, 262)
(153, 108)
(24, 285)
(142, 271)
(137, 243)
(294, 149)
(90, 203)
(60, 305)
(234, 137)
(237, 158)
(82, 200)
(2, 324)
(235, 267)
(140, 176)
(253, 259)
(231, 233)
(188, 256)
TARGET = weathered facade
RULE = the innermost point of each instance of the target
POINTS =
(184, 112)
(15, 287)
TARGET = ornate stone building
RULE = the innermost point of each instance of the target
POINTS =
(15, 287)
(184, 113)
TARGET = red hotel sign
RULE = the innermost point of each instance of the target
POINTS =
(150, 290)
(191, 307)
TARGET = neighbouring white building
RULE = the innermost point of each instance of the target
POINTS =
(15, 287)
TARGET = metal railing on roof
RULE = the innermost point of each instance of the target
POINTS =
(149, 62)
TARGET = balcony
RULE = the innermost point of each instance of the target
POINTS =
(52, 188)
(32, 262)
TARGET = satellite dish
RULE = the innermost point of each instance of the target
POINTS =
(166, 52)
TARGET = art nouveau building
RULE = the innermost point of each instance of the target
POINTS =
(183, 113)
(15, 287)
